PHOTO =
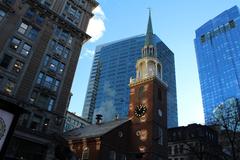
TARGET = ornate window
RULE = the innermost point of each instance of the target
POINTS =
(63, 35)
(72, 14)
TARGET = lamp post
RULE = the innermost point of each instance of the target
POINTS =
(9, 114)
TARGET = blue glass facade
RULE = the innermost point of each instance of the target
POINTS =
(217, 45)
(114, 64)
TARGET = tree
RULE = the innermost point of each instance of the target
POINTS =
(227, 117)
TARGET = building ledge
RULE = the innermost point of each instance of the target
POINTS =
(134, 82)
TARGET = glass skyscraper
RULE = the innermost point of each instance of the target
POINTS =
(217, 45)
(113, 65)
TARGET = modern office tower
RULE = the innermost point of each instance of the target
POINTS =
(113, 65)
(217, 45)
(40, 43)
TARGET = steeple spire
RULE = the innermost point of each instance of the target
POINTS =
(148, 39)
(149, 49)
(148, 65)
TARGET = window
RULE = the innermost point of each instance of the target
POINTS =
(26, 49)
(232, 23)
(159, 94)
(33, 33)
(45, 63)
(203, 39)
(47, 3)
(33, 97)
(40, 78)
(17, 67)
(36, 121)
(15, 43)
(2, 15)
(160, 112)
(59, 49)
(71, 14)
(61, 68)
(66, 53)
(39, 20)
(54, 65)
(160, 136)
(25, 118)
(30, 13)
(169, 150)
(140, 93)
(9, 87)
(181, 149)
(51, 104)
(48, 82)
(45, 102)
(6, 61)
(175, 149)
(56, 85)
(85, 154)
(63, 35)
(23, 28)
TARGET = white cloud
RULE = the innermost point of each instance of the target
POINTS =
(88, 53)
(96, 25)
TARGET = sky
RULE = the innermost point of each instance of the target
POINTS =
(174, 22)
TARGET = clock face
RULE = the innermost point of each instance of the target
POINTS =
(140, 110)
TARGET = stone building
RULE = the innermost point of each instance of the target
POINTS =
(40, 43)
(72, 120)
(193, 142)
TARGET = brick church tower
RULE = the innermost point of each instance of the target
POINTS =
(148, 104)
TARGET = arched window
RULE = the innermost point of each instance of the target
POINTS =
(159, 70)
(151, 68)
(85, 154)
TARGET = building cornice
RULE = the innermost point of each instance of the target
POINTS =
(60, 20)
(135, 82)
